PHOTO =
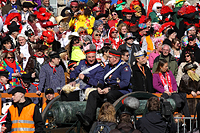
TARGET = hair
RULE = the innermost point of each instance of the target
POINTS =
(122, 25)
(96, 31)
(9, 53)
(105, 49)
(189, 26)
(191, 56)
(81, 29)
(153, 104)
(160, 64)
(52, 52)
(124, 118)
(32, 17)
(64, 25)
(6, 42)
(87, 10)
(175, 40)
(179, 115)
(107, 113)
(166, 45)
(62, 55)
(124, 51)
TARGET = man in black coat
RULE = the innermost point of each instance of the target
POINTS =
(130, 45)
(141, 75)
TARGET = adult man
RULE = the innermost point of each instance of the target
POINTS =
(131, 46)
(153, 120)
(31, 38)
(52, 74)
(89, 71)
(9, 6)
(139, 69)
(23, 115)
(36, 61)
(4, 88)
(165, 54)
(113, 84)
(46, 4)
(125, 55)
(49, 95)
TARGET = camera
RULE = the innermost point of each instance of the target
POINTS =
(166, 109)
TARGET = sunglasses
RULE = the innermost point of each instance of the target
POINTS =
(103, 19)
(114, 32)
(187, 56)
(98, 11)
(82, 32)
(114, 14)
(159, 7)
(10, 57)
(127, 55)
(98, 35)
(74, 6)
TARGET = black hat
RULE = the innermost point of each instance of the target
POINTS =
(170, 31)
(189, 66)
(54, 55)
(13, 27)
(6, 38)
(191, 37)
(26, 78)
(17, 89)
(71, 63)
(115, 53)
(27, 4)
(40, 47)
(90, 51)
(4, 73)
(49, 91)
(100, 16)
(62, 50)
(29, 33)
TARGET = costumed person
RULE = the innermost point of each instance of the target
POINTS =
(46, 4)
(70, 9)
(155, 14)
(87, 43)
(166, 26)
(150, 5)
(106, 28)
(89, 71)
(36, 61)
(20, 106)
(190, 84)
(9, 6)
(115, 19)
(24, 12)
(105, 7)
(31, 38)
(9, 19)
(82, 18)
(13, 67)
(170, 34)
(49, 26)
(5, 45)
(98, 25)
(114, 37)
(52, 74)
(95, 11)
(136, 3)
(167, 14)
(137, 14)
(82, 33)
(121, 4)
(97, 40)
(123, 29)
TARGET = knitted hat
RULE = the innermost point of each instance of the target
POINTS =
(87, 38)
(115, 53)
(97, 23)
(71, 63)
(90, 51)
(107, 42)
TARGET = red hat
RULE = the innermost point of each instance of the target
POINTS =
(42, 14)
(134, 2)
(11, 16)
(165, 10)
(49, 35)
(74, 3)
(48, 24)
(126, 10)
(96, 8)
(166, 25)
(142, 19)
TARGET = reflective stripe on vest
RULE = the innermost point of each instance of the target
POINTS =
(150, 45)
(23, 129)
(24, 122)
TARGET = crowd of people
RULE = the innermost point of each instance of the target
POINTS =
(98, 51)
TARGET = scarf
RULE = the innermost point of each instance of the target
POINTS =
(38, 56)
(167, 84)
(54, 69)
(3, 85)
(98, 43)
(36, 85)
(12, 65)
(193, 76)
(24, 87)
(34, 27)
(142, 70)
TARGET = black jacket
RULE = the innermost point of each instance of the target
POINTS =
(135, 48)
(139, 81)
(37, 118)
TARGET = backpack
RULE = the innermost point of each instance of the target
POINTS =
(102, 128)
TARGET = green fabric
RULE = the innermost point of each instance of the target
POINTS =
(173, 66)
(77, 54)
(176, 18)
(154, 17)
(180, 4)
(119, 6)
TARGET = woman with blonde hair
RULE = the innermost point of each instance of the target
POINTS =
(123, 29)
(106, 117)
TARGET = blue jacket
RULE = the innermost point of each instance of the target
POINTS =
(90, 79)
(118, 80)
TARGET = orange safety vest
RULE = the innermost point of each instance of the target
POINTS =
(149, 46)
(24, 122)
(44, 106)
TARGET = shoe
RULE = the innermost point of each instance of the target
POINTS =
(82, 118)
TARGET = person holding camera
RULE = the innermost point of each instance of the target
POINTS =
(153, 121)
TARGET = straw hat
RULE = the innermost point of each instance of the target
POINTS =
(60, 18)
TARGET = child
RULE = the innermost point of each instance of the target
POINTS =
(182, 125)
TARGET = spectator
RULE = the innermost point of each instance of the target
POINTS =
(31, 38)
(52, 74)
(6, 45)
(70, 9)
(123, 29)
(176, 49)
(46, 4)
(82, 33)
(4, 86)
(114, 37)
(125, 56)
(189, 58)
(106, 27)
(155, 14)
(165, 54)
(182, 125)
(104, 54)
(9, 6)
(95, 11)
(106, 117)
(64, 58)
(98, 25)
(139, 69)
(115, 20)
(171, 34)
(97, 40)
(24, 12)
(87, 43)
(49, 95)
(105, 6)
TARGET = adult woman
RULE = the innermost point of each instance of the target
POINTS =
(190, 84)
(115, 20)
(163, 79)
(171, 34)
(82, 33)
(82, 18)
(64, 58)
(123, 29)
(155, 14)
(106, 116)
(14, 68)
(176, 49)
(97, 40)
(114, 37)
(188, 58)
(105, 6)
(156, 52)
